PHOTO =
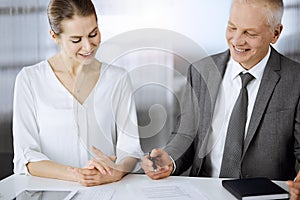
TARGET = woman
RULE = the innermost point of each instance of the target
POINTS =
(71, 102)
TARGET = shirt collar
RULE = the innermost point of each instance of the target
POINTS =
(256, 71)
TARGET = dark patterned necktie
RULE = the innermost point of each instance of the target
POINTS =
(231, 162)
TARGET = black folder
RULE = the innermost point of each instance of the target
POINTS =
(255, 188)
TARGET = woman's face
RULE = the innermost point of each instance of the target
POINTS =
(80, 39)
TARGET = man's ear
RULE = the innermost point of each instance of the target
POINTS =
(54, 36)
(277, 33)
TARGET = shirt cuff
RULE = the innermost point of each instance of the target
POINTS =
(21, 159)
(174, 165)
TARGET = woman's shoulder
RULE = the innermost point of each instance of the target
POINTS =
(113, 70)
(33, 71)
(113, 76)
(38, 67)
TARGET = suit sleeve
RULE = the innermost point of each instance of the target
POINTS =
(297, 133)
(181, 147)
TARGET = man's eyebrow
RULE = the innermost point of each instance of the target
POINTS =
(230, 23)
(249, 29)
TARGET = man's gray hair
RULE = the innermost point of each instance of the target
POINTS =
(274, 10)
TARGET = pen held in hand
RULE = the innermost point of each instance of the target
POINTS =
(295, 179)
(153, 161)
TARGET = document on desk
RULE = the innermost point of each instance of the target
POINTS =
(94, 193)
(171, 191)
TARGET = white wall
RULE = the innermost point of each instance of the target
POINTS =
(201, 20)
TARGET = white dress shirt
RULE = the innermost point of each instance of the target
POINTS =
(50, 124)
(227, 96)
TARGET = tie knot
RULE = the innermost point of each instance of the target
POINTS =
(246, 78)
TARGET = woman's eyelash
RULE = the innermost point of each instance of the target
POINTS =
(76, 41)
(93, 35)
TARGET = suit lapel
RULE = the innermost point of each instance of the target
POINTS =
(212, 74)
(266, 88)
(216, 75)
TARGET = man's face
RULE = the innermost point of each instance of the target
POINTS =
(248, 34)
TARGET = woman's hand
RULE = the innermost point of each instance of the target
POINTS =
(100, 170)
(103, 163)
(93, 177)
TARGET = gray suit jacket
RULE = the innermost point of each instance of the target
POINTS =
(272, 144)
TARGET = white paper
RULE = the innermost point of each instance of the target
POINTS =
(94, 193)
(171, 191)
(164, 192)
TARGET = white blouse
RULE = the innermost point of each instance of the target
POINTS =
(50, 124)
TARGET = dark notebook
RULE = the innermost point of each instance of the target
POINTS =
(255, 188)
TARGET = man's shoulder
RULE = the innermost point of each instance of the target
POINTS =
(288, 63)
(221, 55)
(214, 58)
(215, 62)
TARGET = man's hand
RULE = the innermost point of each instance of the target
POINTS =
(163, 162)
(294, 187)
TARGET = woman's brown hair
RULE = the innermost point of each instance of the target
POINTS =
(59, 10)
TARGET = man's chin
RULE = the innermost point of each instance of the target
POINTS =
(240, 58)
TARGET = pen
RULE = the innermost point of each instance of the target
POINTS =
(295, 179)
(153, 160)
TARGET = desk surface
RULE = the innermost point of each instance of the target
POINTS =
(125, 189)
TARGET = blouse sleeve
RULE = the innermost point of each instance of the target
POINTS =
(128, 141)
(25, 128)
